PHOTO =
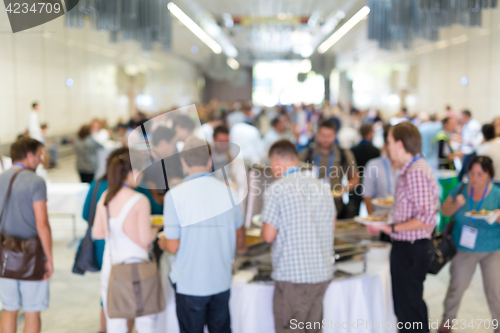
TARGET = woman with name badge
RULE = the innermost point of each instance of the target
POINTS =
(477, 236)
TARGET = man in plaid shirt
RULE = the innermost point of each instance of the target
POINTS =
(414, 218)
(298, 215)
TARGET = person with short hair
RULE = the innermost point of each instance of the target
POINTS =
(202, 272)
(298, 218)
(414, 219)
(278, 131)
(86, 154)
(166, 163)
(184, 127)
(445, 153)
(477, 241)
(333, 163)
(25, 217)
(221, 155)
(363, 152)
(379, 177)
(471, 139)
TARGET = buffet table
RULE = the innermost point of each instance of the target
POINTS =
(350, 304)
(66, 200)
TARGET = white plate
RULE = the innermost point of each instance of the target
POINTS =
(377, 203)
(490, 218)
(257, 220)
(365, 222)
(447, 174)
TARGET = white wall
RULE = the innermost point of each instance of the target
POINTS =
(461, 51)
(35, 64)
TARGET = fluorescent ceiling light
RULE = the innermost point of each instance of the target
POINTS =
(337, 35)
(233, 63)
(195, 28)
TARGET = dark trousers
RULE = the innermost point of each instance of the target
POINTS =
(409, 266)
(86, 177)
(194, 312)
(356, 200)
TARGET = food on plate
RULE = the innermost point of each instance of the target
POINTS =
(373, 218)
(387, 201)
(481, 212)
(157, 220)
(253, 240)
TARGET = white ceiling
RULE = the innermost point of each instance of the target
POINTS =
(270, 8)
(273, 39)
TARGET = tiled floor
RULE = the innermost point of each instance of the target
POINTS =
(74, 305)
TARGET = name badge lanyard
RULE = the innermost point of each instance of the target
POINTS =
(290, 171)
(480, 202)
(19, 165)
(388, 176)
(330, 163)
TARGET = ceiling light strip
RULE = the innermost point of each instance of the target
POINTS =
(195, 28)
(337, 35)
(233, 63)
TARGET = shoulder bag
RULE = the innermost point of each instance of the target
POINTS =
(135, 289)
(443, 246)
(20, 259)
(85, 259)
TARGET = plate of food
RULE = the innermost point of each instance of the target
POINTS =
(385, 203)
(157, 220)
(489, 215)
(372, 219)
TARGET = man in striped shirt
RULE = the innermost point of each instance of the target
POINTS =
(414, 218)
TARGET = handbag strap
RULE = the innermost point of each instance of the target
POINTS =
(7, 196)
(93, 203)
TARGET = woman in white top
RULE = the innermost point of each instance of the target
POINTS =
(130, 236)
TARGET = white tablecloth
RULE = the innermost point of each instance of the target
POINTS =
(351, 302)
(66, 198)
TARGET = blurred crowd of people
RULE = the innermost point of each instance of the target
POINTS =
(360, 155)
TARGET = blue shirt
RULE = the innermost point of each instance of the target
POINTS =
(488, 236)
(379, 180)
(203, 263)
(86, 206)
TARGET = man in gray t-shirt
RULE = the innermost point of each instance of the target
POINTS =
(25, 216)
(18, 219)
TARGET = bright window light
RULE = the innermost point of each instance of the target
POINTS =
(195, 28)
(337, 35)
